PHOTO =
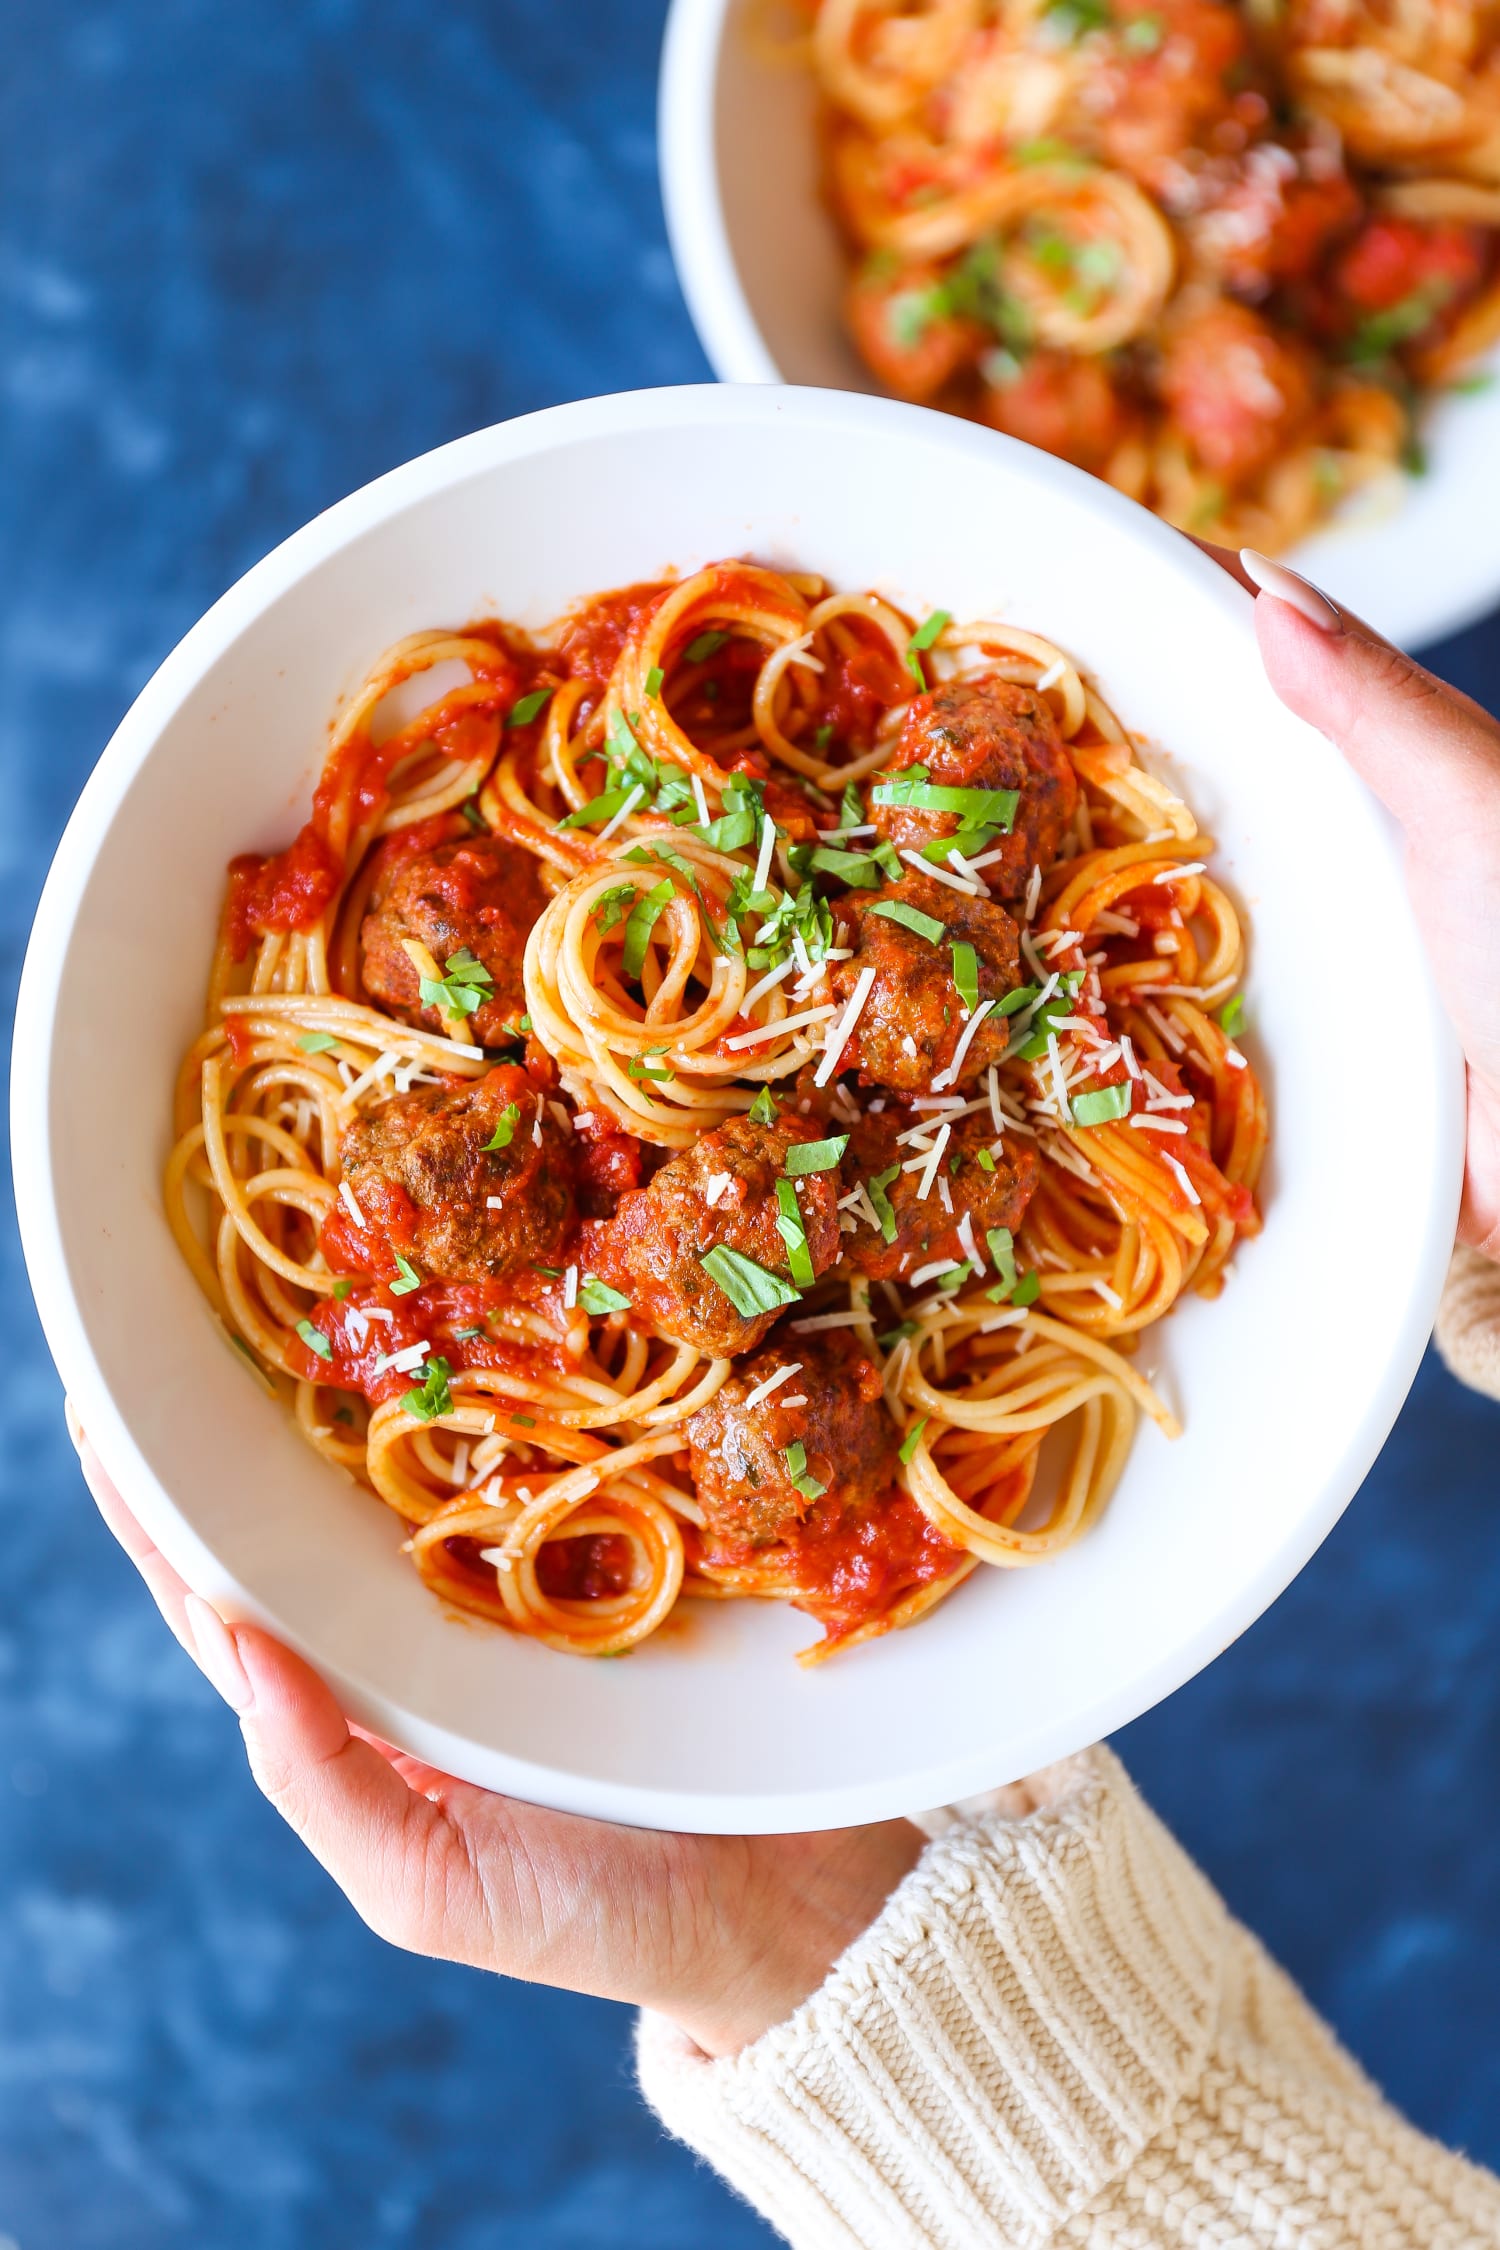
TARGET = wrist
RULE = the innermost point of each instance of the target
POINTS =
(815, 1895)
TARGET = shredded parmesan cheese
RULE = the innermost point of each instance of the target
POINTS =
(838, 1036)
(949, 1076)
(774, 1382)
(765, 1031)
(1187, 1186)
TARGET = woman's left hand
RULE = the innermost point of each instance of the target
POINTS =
(726, 1935)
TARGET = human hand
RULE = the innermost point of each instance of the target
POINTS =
(1433, 758)
(726, 1935)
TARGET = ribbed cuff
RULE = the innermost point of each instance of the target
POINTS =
(1000, 2044)
(1468, 1321)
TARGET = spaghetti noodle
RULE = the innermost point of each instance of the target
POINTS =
(1214, 254)
(702, 1103)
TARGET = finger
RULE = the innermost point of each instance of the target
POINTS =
(1227, 560)
(389, 1849)
(1430, 754)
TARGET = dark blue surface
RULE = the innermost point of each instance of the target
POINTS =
(249, 257)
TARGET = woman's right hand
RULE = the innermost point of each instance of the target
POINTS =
(1433, 758)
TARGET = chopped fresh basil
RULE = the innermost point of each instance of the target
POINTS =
(911, 1441)
(1027, 1289)
(341, 1289)
(1100, 1107)
(857, 869)
(922, 639)
(1232, 1016)
(789, 1226)
(610, 907)
(523, 1421)
(876, 1189)
(530, 707)
(976, 808)
(851, 806)
(763, 1110)
(965, 973)
(642, 920)
(893, 1336)
(505, 1129)
(318, 1043)
(315, 1339)
(706, 645)
(655, 679)
(641, 1066)
(410, 1278)
(984, 1160)
(433, 1397)
(751, 1288)
(1003, 1251)
(599, 809)
(797, 1470)
(910, 917)
(814, 1156)
(472, 814)
(597, 1297)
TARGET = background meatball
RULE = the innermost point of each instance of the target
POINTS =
(987, 734)
(1236, 389)
(925, 1228)
(481, 894)
(429, 1185)
(831, 1406)
(911, 1023)
(1065, 405)
(722, 1190)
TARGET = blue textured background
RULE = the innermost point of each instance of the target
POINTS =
(251, 256)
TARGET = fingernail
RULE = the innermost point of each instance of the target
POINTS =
(1298, 593)
(75, 1427)
(218, 1654)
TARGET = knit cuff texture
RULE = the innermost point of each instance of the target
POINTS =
(1001, 2043)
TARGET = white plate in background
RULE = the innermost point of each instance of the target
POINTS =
(763, 273)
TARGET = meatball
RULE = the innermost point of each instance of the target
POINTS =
(1236, 389)
(925, 1229)
(904, 333)
(720, 1193)
(910, 1026)
(987, 734)
(479, 895)
(429, 1185)
(1064, 405)
(1160, 84)
(830, 1405)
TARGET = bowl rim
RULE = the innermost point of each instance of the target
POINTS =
(726, 327)
(709, 1811)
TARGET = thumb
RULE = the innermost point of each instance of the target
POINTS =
(1430, 754)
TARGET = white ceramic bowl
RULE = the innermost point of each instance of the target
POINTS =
(763, 274)
(1288, 1385)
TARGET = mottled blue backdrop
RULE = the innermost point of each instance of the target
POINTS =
(251, 256)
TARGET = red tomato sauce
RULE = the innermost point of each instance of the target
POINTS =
(585, 1569)
(859, 1567)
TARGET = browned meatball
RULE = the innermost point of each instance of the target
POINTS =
(429, 1186)
(831, 1406)
(721, 1191)
(925, 1229)
(479, 895)
(911, 1024)
(987, 734)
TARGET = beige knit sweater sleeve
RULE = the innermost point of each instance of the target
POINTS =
(1056, 2033)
